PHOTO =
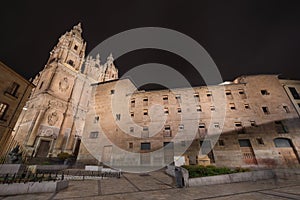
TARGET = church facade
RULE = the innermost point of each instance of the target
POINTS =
(79, 106)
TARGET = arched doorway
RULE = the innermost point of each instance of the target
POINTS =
(287, 151)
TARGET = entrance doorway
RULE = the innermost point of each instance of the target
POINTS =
(247, 152)
(43, 148)
(286, 150)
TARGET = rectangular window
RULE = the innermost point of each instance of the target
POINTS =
(242, 93)
(132, 103)
(264, 92)
(145, 146)
(145, 102)
(130, 145)
(244, 143)
(260, 141)
(145, 128)
(202, 125)
(178, 110)
(71, 62)
(265, 110)
(228, 94)
(216, 125)
(75, 47)
(212, 108)
(199, 108)
(12, 90)
(167, 131)
(132, 114)
(280, 127)
(221, 143)
(286, 109)
(131, 129)
(180, 127)
(178, 98)
(3, 110)
(112, 91)
(232, 106)
(247, 106)
(145, 112)
(253, 123)
(118, 117)
(145, 133)
(196, 97)
(166, 111)
(239, 128)
(94, 134)
(96, 120)
(165, 99)
(208, 93)
(294, 93)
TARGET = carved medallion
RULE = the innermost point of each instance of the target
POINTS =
(52, 118)
(64, 84)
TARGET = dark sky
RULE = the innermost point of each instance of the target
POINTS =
(242, 37)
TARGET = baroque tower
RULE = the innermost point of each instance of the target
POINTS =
(55, 113)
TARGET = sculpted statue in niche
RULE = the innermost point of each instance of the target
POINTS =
(64, 84)
(52, 118)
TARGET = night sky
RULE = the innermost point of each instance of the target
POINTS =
(242, 37)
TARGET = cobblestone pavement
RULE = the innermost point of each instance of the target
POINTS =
(157, 185)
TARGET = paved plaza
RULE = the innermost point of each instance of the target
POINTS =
(158, 185)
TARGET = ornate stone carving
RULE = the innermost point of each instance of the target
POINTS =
(52, 118)
(64, 84)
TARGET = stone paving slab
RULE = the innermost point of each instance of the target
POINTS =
(115, 186)
(248, 196)
(291, 190)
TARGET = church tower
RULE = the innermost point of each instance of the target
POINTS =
(54, 116)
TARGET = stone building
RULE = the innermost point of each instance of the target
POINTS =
(248, 122)
(55, 116)
(81, 107)
(15, 91)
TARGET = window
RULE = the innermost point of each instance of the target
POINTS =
(131, 114)
(165, 99)
(212, 108)
(260, 141)
(145, 112)
(166, 111)
(221, 143)
(12, 90)
(145, 128)
(244, 143)
(94, 134)
(145, 102)
(228, 94)
(208, 93)
(75, 47)
(180, 127)
(178, 98)
(265, 110)
(182, 143)
(232, 106)
(131, 129)
(3, 109)
(167, 131)
(196, 97)
(199, 108)
(280, 127)
(130, 145)
(178, 110)
(118, 117)
(247, 106)
(202, 125)
(264, 92)
(239, 128)
(299, 105)
(242, 93)
(294, 93)
(286, 109)
(132, 103)
(112, 91)
(145, 146)
(253, 123)
(96, 120)
(71, 62)
(216, 125)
